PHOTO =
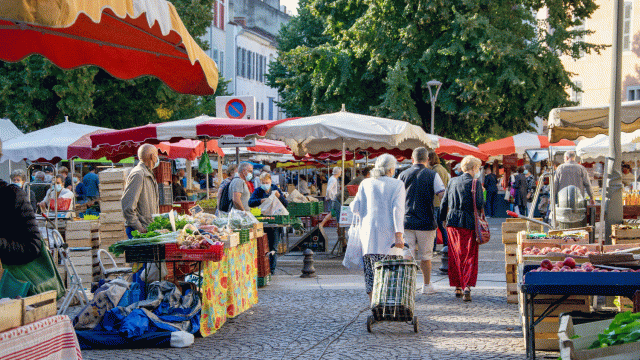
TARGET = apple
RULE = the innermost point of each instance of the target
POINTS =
(555, 269)
(559, 264)
(566, 251)
(570, 262)
(546, 263)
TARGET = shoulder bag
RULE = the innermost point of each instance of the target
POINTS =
(481, 225)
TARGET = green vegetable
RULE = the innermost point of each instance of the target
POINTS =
(119, 247)
(624, 328)
(137, 235)
(161, 222)
(91, 217)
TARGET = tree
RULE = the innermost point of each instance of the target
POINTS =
(499, 66)
(34, 93)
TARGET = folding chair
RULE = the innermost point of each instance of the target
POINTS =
(115, 270)
(75, 282)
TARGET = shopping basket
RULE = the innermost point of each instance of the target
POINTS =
(394, 291)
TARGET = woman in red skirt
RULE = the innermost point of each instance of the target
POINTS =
(457, 213)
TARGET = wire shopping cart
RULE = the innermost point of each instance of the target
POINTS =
(394, 292)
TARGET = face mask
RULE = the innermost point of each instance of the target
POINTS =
(526, 172)
(17, 183)
(157, 163)
(266, 187)
(477, 175)
(458, 172)
(249, 176)
(75, 179)
(58, 187)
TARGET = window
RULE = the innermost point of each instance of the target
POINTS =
(270, 108)
(633, 93)
(238, 61)
(221, 21)
(626, 26)
(576, 95)
(221, 64)
(261, 71)
(244, 63)
(249, 56)
(262, 111)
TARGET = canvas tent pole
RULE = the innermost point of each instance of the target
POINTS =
(613, 203)
(343, 158)
(207, 175)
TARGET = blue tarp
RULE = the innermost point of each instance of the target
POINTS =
(112, 340)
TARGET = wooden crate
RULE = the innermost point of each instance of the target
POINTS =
(231, 240)
(81, 238)
(38, 307)
(112, 186)
(112, 235)
(111, 218)
(546, 334)
(613, 248)
(111, 206)
(114, 175)
(81, 225)
(616, 241)
(625, 234)
(10, 314)
(624, 304)
(573, 303)
(511, 273)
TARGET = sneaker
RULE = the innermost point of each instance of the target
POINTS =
(428, 289)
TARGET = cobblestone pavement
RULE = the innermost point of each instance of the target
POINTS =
(293, 322)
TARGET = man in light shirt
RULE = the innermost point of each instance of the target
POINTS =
(572, 173)
(332, 196)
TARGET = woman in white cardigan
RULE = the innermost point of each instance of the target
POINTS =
(380, 202)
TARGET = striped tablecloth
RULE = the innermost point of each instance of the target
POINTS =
(50, 338)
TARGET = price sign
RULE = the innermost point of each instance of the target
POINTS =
(346, 216)
(195, 210)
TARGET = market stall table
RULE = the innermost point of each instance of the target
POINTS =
(52, 337)
(567, 284)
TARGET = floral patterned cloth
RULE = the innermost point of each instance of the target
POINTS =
(230, 286)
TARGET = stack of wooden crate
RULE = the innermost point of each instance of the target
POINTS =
(510, 229)
(81, 236)
(624, 234)
(112, 229)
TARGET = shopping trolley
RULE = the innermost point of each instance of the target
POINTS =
(394, 292)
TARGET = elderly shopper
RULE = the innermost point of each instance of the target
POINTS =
(60, 192)
(380, 203)
(259, 196)
(18, 178)
(572, 173)
(140, 199)
(19, 236)
(333, 196)
(239, 189)
(423, 185)
(458, 213)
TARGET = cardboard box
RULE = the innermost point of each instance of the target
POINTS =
(578, 348)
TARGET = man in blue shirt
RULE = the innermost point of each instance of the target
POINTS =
(423, 186)
(91, 183)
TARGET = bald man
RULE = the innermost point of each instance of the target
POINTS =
(140, 197)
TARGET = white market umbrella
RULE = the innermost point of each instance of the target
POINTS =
(321, 134)
(344, 131)
(597, 148)
(47, 144)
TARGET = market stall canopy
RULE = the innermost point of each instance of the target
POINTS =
(8, 130)
(197, 128)
(50, 144)
(572, 122)
(597, 148)
(518, 144)
(326, 133)
(458, 149)
(270, 146)
(126, 38)
(188, 149)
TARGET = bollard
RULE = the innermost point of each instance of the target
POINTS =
(444, 268)
(308, 271)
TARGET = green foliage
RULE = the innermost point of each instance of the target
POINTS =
(499, 67)
(35, 94)
(624, 328)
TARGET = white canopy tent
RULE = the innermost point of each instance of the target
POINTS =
(597, 148)
(9, 131)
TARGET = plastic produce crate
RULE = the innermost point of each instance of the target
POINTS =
(163, 172)
(213, 253)
(144, 253)
(275, 219)
(264, 281)
(317, 207)
(300, 209)
(165, 194)
(245, 235)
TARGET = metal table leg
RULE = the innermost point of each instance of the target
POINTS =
(529, 326)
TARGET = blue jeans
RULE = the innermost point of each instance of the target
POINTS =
(491, 204)
(129, 229)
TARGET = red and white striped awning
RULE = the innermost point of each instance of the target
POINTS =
(518, 144)
(197, 128)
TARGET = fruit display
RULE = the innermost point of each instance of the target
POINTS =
(561, 236)
(574, 250)
(569, 265)
(192, 238)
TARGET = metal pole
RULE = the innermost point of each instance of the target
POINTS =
(603, 214)
(207, 175)
(614, 206)
(433, 115)
(238, 156)
(343, 158)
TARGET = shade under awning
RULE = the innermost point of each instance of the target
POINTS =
(572, 122)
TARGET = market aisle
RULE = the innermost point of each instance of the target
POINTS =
(298, 318)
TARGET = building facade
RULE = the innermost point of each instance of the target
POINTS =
(592, 72)
(242, 41)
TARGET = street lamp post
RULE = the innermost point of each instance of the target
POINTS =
(433, 98)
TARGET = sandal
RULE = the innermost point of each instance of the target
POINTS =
(458, 292)
(467, 295)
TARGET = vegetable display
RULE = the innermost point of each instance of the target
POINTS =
(119, 247)
(625, 328)
(162, 222)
